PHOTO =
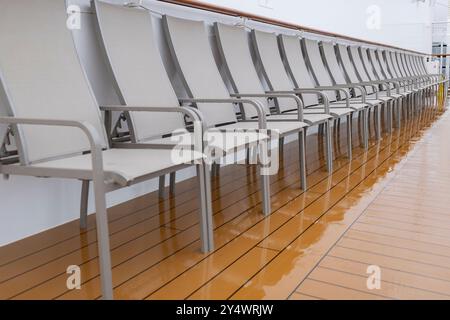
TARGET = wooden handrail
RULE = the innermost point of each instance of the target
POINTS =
(237, 13)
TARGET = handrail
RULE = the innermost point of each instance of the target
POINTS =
(237, 13)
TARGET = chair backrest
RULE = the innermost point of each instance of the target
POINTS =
(375, 64)
(412, 65)
(294, 61)
(367, 65)
(354, 54)
(377, 67)
(397, 58)
(384, 67)
(42, 77)
(234, 49)
(268, 55)
(416, 60)
(393, 57)
(317, 67)
(332, 64)
(392, 69)
(191, 52)
(421, 64)
(359, 66)
(347, 64)
(406, 65)
(137, 68)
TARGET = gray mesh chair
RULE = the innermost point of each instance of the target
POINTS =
(383, 75)
(350, 70)
(389, 73)
(192, 54)
(144, 81)
(415, 61)
(385, 86)
(316, 60)
(401, 72)
(241, 72)
(366, 75)
(424, 88)
(341, 79)
(57, 122)
(270, 62)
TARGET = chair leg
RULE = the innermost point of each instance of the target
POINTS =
(349, 135)
(265, 178)
(206, 226)
(365, 126)
(302, 155)
(216, 169)
(329, 145)
(84, 204)
(162, 185)
(173, 178)
(104, 253)
(389, 109)
(281, 145)
(377, 118)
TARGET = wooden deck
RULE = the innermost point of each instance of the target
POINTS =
(388, 207)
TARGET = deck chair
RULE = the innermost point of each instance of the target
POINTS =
(389, 74)
(413, 88)
(381, 74)
(434, 79)
(396, 74)
(423, 85)
(366, 76)
(385, 86)
(268, 57)
(192, 53)
(352, 75)
(340, 97)
(339, 77)
(57, 122)
(419, 63)
(315, 59)
(144, 81)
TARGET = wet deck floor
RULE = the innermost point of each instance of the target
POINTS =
(388, 208)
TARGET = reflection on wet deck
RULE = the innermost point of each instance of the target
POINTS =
(388, 207)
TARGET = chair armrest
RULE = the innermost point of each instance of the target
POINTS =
(337, 88)
(262, 122)
(356, 86)
(275, 94)
(91, 133)
(199, 122)
(319, 93)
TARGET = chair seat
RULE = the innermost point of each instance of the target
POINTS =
(123, 166)
(217, 138)
(353, 105)
(309, 118)
(381, 97)
(335, 112)
(274, 123)
(371, 100)
(393, 94)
